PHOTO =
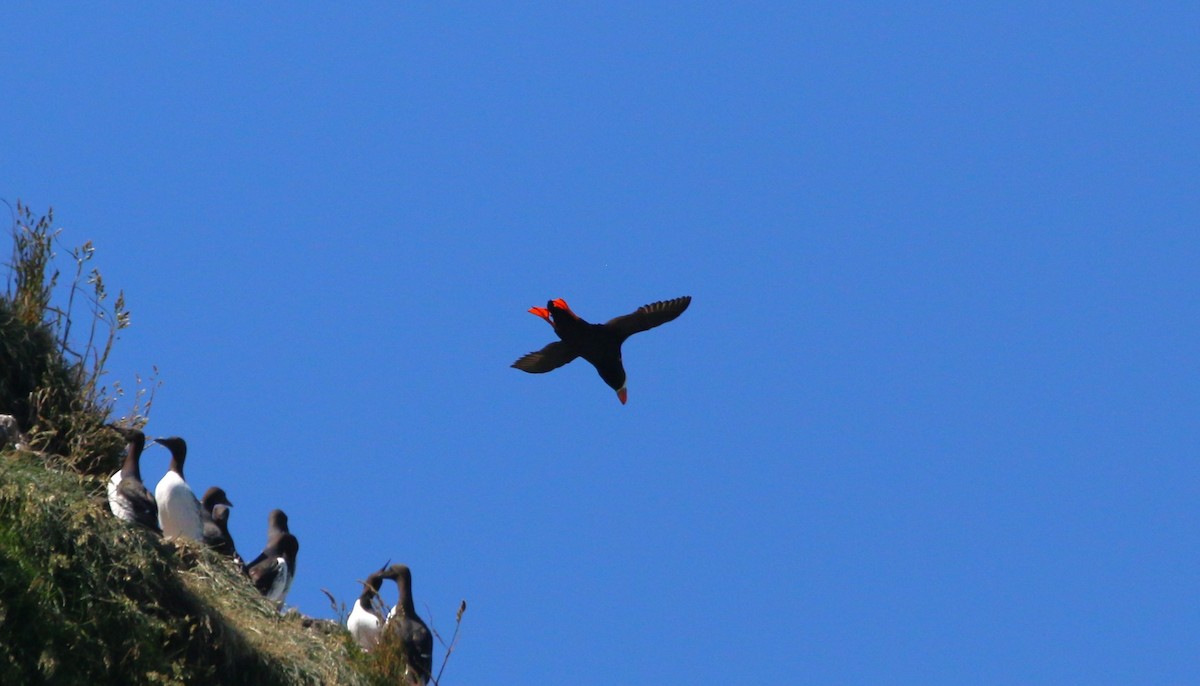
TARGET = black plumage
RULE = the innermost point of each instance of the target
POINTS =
(223, 540)
(416, 641)
(128, 497)
(275, 567)
(277, 525)
(599, 344)
(273, 574)
(216, 536)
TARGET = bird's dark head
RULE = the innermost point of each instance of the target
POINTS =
(374, 581)
(615, 378)
(215, 495)
(175, 444)
(277, 520)
(126, 432)
(133, 437)
(401, 574)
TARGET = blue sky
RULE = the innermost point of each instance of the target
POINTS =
(931, 416)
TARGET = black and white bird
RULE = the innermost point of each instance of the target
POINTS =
(277, 525)
(275, 567)
(273, 574)
(416, 641)
(214, 514)
(178, 508)
(128, 497)
(366, 619)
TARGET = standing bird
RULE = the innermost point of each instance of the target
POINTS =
(416, 642)
(365, 621)
(275, 567)
(599, 344)
(128, 497)
(216, 526)
(178, 509)
(224, 545)
(277, 525)
(273, 573)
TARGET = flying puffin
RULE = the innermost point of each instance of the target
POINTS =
(416, 641)
(128, 497)
(599, 344)
(366, 621)
(178, 509)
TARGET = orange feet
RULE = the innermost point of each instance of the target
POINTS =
(562, 305)
(543, 313)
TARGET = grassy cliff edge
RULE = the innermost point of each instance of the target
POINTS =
(84, 597)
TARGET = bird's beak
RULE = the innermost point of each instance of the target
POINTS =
(622, 394)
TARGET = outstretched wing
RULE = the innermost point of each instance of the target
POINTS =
(551, 357)
(648, 316)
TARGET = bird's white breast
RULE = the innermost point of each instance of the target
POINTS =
(113, 482)
(282, 582)
(178, 509)
(364, 625)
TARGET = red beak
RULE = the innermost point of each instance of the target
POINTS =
(622, 394)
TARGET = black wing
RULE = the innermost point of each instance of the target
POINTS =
(648, 316)
(547, 359)
(253, 563)
(263, 574)
(418, 647)
(142, 504)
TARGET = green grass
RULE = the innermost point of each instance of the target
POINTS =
(88, 599)
(84, 597)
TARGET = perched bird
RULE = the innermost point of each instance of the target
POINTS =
(178, 509)
(224, 545)
(599, 344)
(275, 567)
(277, 525)
(416, 641)
(128, 497)
(216, 526)
(366, 621)
(272, 574)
